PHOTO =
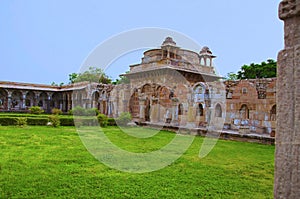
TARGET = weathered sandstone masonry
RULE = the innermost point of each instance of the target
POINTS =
(287, 164)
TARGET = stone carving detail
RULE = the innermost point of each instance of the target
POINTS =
(261, 90)
(289, 8)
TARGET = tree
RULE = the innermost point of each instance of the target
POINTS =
(72, 77)
(263, 70)
(92, 75)
(231, 76)
(123, 79)
(55, 84)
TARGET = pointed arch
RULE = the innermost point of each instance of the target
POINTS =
(244, 112)
(95, 100)
(273, 113)
(16, 100)
(218, 110)
(180, 109)
(199, 110)
(3, 99)
(30, 99)
(134, 106)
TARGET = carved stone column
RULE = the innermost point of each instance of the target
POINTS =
(9, 101)
(175, 102)
(287, 163)
(142, 104)
(154, 115)
(23, 100)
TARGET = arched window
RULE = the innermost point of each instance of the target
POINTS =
(180, 109)
(244, 90)
(199, 110)
(273, 113)
(218, 110)
(199, 92)
(208, 62)
(202, 62)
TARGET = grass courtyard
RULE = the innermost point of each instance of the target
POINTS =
(46, 162)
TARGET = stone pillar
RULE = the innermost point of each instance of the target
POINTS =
(37, 99)
(24, 101)
(125, 106)
(142, 104)
(48, 104)
(154, 111)
(287, 161)
(175, 111)
(9, 102)
(70, 101)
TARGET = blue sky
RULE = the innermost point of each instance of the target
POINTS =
(44, 41)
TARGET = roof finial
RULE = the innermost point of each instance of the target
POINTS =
(169, 41)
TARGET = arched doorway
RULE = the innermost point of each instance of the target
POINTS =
(16, 100)
(3, 99)
(43, 99)
(244, 112)
(56, 101)
(30, 99)
(273, 113)
(199, 110)
(134, 106)
(95, 100)
(147, 110)
(165, 104)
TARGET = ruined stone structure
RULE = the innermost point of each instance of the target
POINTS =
(287, 164)
(175, 86)
(171, 86)
(18, 97)
(251, 104)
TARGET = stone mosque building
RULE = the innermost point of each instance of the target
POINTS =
(171, 85)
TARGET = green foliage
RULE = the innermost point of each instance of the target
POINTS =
(55, 84)
(231, 76)
(56, 111)
(92, 112)
(123, 79)
(8, 121)
(102, 120)
(36, 110)
(264, 70)
(21, 121)
(111, 122)
(80, 111)
(124, 119)
(54, 119)
(66, 121)
(93, 74)
(72, 77)
(35, 121)
(22, 115)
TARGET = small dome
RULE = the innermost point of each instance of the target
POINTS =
(205, 50)
(169, 41)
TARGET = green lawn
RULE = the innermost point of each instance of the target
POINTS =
(46, 162)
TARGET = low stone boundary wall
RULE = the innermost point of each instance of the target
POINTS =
(224, 135)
